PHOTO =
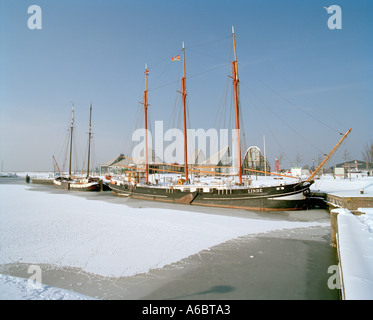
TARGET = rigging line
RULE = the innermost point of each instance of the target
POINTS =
(270, 130)
(64, 140)
(163, 72)
(270, 66)
(94, 158)
(163, 85)
(290, 102)
(135, 125)
(65, 149)
(223, 115)
(209, 42)
(208, 70)
(174, 111)
(189, 145)
(191, 76)
(150, 128)
(242, 127)
(264, 104)
(160, 74)
(165, 59)
(221, 111)
(208, 55)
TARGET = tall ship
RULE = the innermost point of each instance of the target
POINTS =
(279, 196)
(77, 183)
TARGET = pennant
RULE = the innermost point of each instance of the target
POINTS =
(176, 58)
(146, 71)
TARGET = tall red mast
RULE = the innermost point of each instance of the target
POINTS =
(183, 85)
(146, 123)
(235, 87)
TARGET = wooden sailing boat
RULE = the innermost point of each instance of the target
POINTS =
(78, 183)
(281, 196)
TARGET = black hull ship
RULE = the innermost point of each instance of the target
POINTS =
(77, 184)
(70, 182)
(282, 197)
(278, 196)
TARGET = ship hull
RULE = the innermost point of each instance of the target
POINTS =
(286, 197)
(155, 194)
(76, 185)
(289, 197)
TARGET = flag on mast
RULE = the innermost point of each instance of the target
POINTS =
(176, 58)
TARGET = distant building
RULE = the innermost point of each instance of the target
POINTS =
(219, 162)
(254, 160)
(353, 167)
(122, 163)
(117, 165)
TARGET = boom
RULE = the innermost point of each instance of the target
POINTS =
(329, 155)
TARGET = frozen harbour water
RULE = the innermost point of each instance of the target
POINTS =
(151, 249)
(111, 239)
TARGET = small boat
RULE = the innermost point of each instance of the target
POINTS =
(78, 183)
(279, 196)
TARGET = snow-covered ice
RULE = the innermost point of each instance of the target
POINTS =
(110, 239)
(344, 187)
(14, 288)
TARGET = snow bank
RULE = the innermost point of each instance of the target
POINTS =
(344, 187)
(110, 239)
(14, 288)
(355, 243)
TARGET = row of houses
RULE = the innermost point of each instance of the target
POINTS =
(219, 163)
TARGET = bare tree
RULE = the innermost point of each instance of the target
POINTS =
(367, 153)
(298, 159)
(346, 156)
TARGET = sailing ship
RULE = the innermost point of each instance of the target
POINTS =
(77, 183)
(281, 196)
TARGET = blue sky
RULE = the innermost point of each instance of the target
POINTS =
(301, 83)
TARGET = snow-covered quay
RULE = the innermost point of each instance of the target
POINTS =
(354, 236)
(355, 251)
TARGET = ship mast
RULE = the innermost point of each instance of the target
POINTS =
(235, 87)
(183, 84)
(89, 138)
(146, 123)
(71, 138)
